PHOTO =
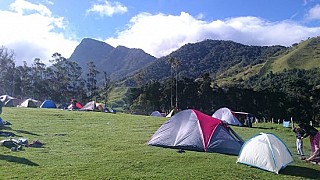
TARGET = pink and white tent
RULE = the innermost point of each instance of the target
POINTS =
(193, 130)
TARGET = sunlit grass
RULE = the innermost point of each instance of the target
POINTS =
(95, 145)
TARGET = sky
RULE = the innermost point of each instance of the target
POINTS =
(38, 28)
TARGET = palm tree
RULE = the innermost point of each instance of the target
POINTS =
(174, 63)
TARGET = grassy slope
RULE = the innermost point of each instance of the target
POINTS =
(95, 145)
(116, 97)
(305, 55)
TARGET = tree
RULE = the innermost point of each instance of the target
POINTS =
(91, 80)
(105, 88)
(174, 64)
(7, 69)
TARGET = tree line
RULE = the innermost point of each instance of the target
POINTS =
(293, 93)
(61, 81)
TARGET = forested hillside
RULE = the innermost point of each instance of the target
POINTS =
(216, 57)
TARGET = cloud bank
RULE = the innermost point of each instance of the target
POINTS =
(32, 32)
(160, 34)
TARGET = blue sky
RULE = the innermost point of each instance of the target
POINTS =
(39, 28)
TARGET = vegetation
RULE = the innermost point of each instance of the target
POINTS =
(60, 82)
(268, 81)
(277, 96)
(95, 145)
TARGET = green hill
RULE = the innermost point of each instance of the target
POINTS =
(305, 55)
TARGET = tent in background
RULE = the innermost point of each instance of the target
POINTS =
(92, 106)
(265, 151)
(172, 112)
(48, 104)
(192, 130)
(31, 103)
(226, 114)
(9, 101)
(156, 113)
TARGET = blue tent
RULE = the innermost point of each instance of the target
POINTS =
(48, 104)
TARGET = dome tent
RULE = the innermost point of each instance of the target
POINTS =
(156, 114)
(265, 151)
(9, 101)
(48, 104)
(192, 130)
(226, 114)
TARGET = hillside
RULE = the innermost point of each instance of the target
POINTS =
(219, 58)
(116, 62)
(304, 55)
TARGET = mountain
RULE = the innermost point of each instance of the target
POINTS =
(216, 57)
(302, 56)
(116, 62)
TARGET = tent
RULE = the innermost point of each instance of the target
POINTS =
(9, 101)
(48, 104)
(156, 113)
(170, 113)
(265, 151)
(192, 130)
(92, 106)
(226, 114)
(32, 103)
(76, 106)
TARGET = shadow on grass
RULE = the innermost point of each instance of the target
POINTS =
(8, 134)
(17, 160)
(262, 127)
(303, 172)
(27, 132)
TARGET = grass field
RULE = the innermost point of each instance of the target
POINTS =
(95, 145)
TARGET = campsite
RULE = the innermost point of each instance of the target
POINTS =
(95, 145)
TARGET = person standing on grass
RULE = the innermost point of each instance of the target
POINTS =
(1, 107)
(314, 135)
(299, 142)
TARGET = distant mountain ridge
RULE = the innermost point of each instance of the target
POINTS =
(216, 57)
(116, 62)
(225, 61)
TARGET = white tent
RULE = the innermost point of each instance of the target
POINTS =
(226, 114)
(265, 151)
(9, 101)
(30, 103)
(156, 113)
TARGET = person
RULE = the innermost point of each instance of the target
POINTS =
(299, 142)
(1, 107)
(314, 135)
(73, 105)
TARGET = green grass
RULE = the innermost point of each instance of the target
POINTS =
(95, 145)
(305, 55)
(116, 97)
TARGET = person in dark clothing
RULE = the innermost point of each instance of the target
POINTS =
(1, 104)
(314, 135)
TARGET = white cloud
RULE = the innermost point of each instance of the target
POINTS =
(32, 32)
(108, 8)
(160, 34)
(314, 13)
(22, 6)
